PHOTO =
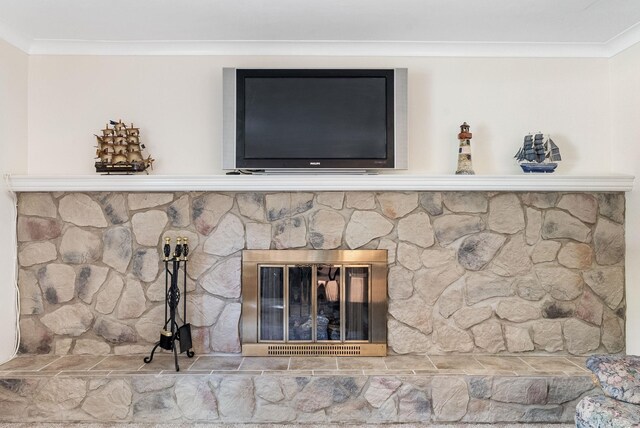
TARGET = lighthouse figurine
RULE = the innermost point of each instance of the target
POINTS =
(464, 151)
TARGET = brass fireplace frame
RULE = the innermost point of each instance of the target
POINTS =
(377, 343)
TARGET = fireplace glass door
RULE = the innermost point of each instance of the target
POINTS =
(318, 303)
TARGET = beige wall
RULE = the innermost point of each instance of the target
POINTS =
(13, 159)
(625, 149)
(177, 103)
(588, 105)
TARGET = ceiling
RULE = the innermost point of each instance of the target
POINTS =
(566, 27)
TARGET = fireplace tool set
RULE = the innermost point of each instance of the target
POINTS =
(171, 333)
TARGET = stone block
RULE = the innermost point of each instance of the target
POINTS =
(224, 279)
(559, 224)
(516, 310)
(465, 202)
(132, 304)
(607, 283)
(109, 295)
(413, 312)
(450, 398)
(467, 317)
(37, 204)
(482, 286)
(326, 228)
(140, 201)
(148, 226)
(589, 308)
(30, 293)
(580, 205)
(34, 338)
(361, 200)
(118, 249)
(34, 253)
(505, 214)
(178, 213)
(547, 335)
(519, 390)
(476, 251)
(57, 282)
(89, 280)
(114, 207)
(545, 251)
(409, 256)
(114, 331)
(576, 255)
(80, 246)
(608, 240)
(552, 309)
(400, 283)
(284, 205)
(236, 399)
(611, 205)
(195, 398)
(405, 340)
(430, 283)
(203, 309)
(396, 205)
(518, 339)
(416, 229)
(207, 210)
(451, 339)
(290, 233)
(38, 229)
(488, 336)
(529, 288)
(91, 347)
(225, 336)
(110, 401)
(150, 324)
(449, 302)
(612, 332)
(227, 238)
(431, 202)
(534, 224)
(581, 337)
(365, 226)
(334, 200)
(380, 389)
(81, 210)
(437, 256)
(513, 259)
(559, 282)
(146, 264)
(69, 319)
(451, 227)
(540, 200)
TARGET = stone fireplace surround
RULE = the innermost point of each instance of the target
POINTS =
(509, 273)
(474, 272)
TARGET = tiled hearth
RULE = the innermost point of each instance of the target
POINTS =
(370, 390)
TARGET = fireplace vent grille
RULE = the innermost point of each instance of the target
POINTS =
(314, 350)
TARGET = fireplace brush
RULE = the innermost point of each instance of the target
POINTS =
(170, 332)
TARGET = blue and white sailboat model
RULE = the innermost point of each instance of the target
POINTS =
(537, 155)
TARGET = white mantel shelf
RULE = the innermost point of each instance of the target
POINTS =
(382, 182)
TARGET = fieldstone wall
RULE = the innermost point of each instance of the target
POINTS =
(468, 271)
(299, 399)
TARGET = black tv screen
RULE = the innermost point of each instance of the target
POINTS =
(314, 118)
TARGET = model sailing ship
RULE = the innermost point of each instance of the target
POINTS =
(119, 150)
(537, 155)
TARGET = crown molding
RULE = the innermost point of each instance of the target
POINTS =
(320, 48)
(14, 38)
(624, 40)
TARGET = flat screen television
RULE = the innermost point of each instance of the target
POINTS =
(314, 119)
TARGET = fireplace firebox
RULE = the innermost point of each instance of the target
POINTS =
(314, 302)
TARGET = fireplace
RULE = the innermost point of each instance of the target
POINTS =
(314, 302)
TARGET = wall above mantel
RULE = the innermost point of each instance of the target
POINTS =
(303, 182)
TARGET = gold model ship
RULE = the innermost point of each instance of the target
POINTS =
(119, 150)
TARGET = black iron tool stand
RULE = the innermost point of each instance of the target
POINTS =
(171, 333)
